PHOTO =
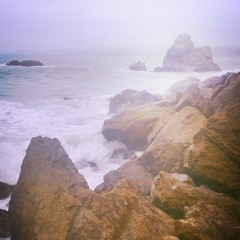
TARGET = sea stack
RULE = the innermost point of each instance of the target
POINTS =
(184, 56)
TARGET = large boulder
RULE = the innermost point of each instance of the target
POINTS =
(129, 98)
(121, 213)
(227, 94)
(138, 66)
(214, 157)
(26, 63)
(131, 171)
(133, 126)
(179, 88)
(47, 193)
(201, 213)
(166, 152)
(184, 56)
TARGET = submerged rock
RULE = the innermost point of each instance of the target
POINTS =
(138, 66)
(26, 63)
(47, 193)
(184, 56)
(123, 153)
(129, 98)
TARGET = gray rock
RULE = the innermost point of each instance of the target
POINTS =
(184, 56)
(138, 66)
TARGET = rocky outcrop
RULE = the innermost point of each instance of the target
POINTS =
(129, 98)
(122, 213)
(179, 88)
(138, 66)
(213, 159)
(131, 171)
(26, 63)
(5, 228)
(47, 193)
(133, 126)
(201, 213)
(167, 150)
(5, 190)
(184, 56)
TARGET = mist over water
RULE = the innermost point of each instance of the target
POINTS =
(32, 103)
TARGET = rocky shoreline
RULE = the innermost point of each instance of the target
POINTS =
(184, 186)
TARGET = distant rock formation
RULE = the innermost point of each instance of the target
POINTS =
(26, 63)
(138, 66)
(129, 98)
(184, 56)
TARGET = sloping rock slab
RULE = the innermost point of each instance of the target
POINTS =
(122, 213)
(47, 193)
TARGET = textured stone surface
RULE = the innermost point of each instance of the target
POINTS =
(202, 213)
(47, 193)
(184, 56)
(131, 171)
(122, 213)
(214, 157)
(166, 152)
(129, 98)
(5, 229)
(133, 126)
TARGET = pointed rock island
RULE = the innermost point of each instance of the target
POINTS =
(184, 56)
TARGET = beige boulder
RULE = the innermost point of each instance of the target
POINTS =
(201, 213)
(214, 157)
(47, 193)
(133, 126)
(167, 150)
(121, 213)
(131, 171)
(129, 98)
(228, 94)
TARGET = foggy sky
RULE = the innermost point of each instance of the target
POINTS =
(45, 25)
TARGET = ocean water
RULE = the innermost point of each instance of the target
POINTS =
(32, 103)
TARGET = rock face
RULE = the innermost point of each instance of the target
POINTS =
(167, 150)
(5, 190)
(184, 56)
(131, 171)
(121, 213)
(214, 157)
(133, 126)
(201, 213)
(47, 193)
(129, 98)
(138, 66)
(5, 229)
(26, 63)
